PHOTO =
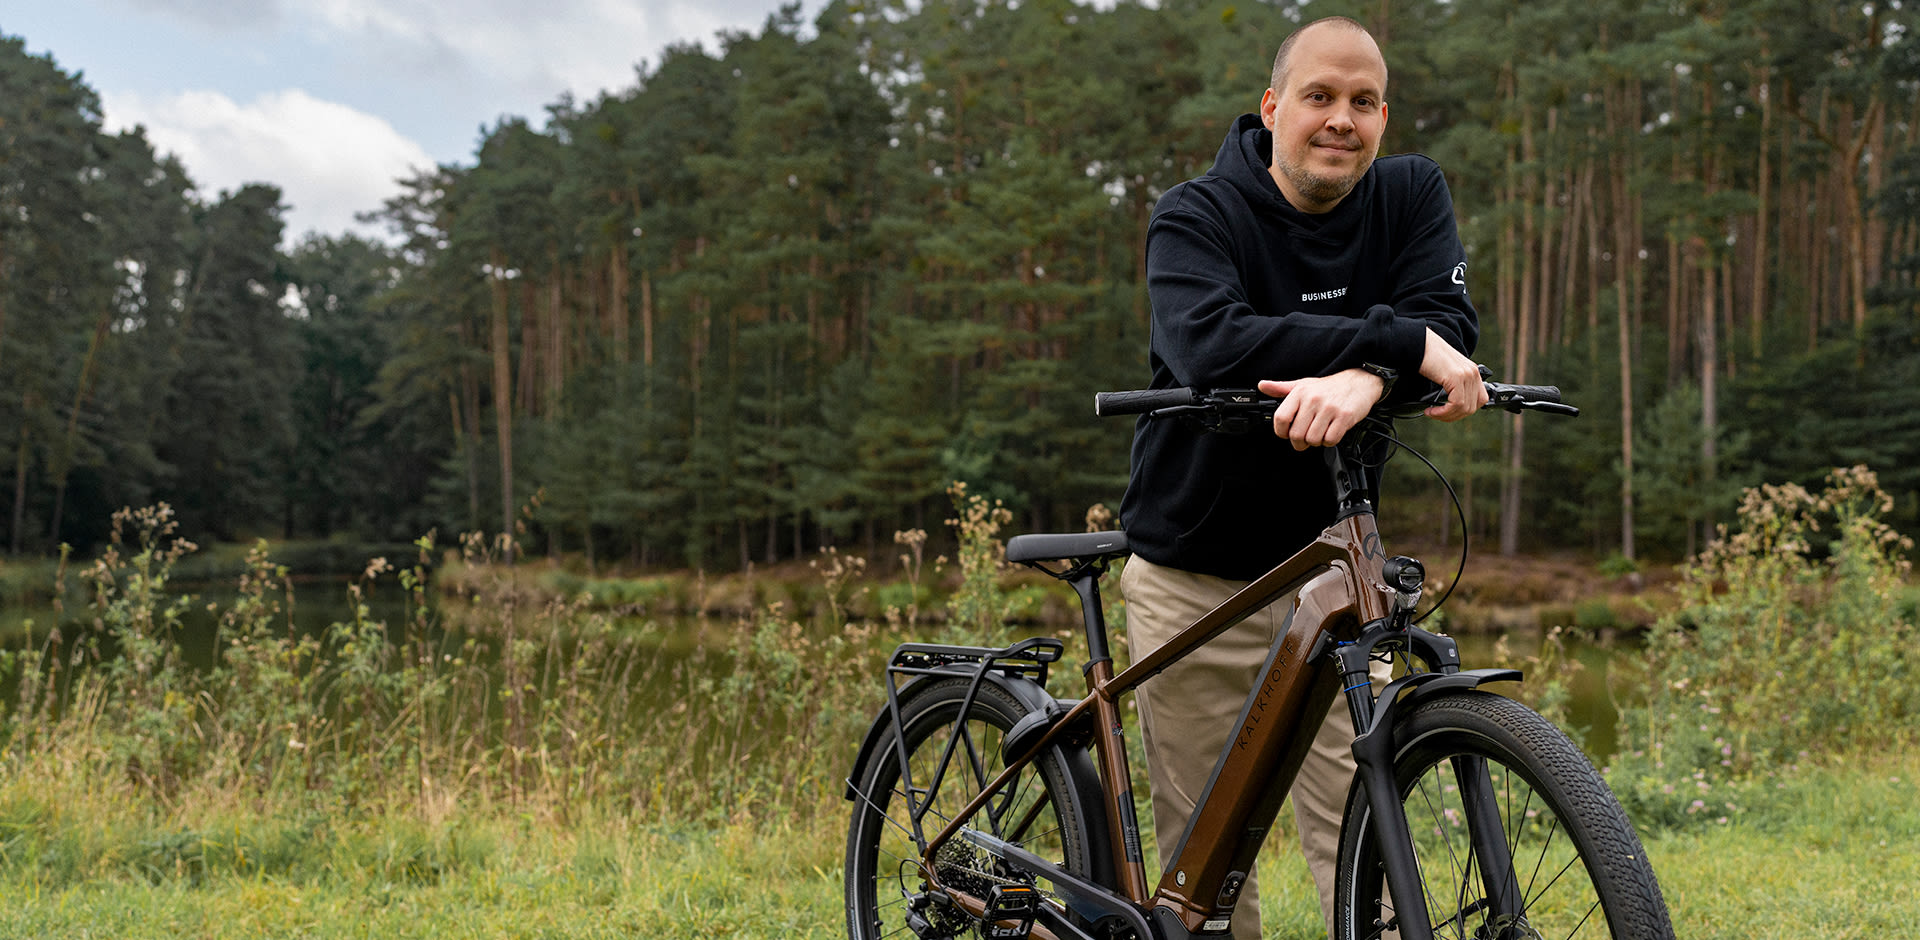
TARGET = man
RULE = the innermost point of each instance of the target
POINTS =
(1304, 266)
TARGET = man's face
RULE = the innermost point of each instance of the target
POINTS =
(1327, 121)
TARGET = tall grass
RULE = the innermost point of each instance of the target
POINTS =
(500, 702)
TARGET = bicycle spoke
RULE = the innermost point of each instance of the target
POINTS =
(1583, 919)
(1440, 822)
(1542, 860)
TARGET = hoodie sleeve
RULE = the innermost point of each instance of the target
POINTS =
(1428, 273)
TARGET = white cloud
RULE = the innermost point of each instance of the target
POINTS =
(329, 160)
(223, 15)
(536, 48)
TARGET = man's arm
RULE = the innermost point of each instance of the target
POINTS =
(1430, 287)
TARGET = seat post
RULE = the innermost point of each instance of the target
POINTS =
(1086, 583)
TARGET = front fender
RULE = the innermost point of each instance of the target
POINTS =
(1408, 691)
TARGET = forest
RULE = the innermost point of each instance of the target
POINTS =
(779, 293)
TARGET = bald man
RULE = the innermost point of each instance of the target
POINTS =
(1302, 265)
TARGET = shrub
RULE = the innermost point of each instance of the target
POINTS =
(1790, 643)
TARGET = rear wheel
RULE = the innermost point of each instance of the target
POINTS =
(1547, 854)
(949, 762)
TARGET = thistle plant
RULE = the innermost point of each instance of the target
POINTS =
(837, 571)
(913, 560)
(979, 604)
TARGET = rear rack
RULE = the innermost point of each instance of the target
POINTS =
(1029, 657)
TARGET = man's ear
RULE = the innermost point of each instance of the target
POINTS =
(1269, 103)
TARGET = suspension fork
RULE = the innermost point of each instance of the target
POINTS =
(1488, 843)
(1374, 747)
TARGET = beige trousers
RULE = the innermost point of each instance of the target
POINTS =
(1187, 711)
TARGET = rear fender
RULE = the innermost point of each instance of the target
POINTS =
(1024, 690)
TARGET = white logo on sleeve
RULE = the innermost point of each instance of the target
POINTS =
(1460, 276)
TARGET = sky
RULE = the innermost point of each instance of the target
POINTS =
(334, 100)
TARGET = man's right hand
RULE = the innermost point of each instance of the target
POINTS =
(1318, 412)
(1457, 375)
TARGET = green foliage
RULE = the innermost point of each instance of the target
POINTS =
(1791, 645)
(1844, 402)
(228, 411)
(1617, 565)
(1676, 488)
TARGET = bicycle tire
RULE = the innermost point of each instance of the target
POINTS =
(883, 850)
(1554, 810)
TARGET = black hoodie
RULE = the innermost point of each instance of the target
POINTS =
(1246, 287)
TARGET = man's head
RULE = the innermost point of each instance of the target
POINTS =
(1327, 108)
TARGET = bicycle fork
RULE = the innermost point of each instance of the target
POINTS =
(1373, 750)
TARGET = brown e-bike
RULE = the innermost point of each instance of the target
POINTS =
(984, 806)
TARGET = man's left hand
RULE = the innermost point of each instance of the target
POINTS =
(1318, 412)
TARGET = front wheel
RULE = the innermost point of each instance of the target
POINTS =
(1515, 834)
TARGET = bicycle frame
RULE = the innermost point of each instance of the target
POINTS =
(1344, 610)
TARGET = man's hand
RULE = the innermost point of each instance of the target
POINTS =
(1457, 375)
(1318, 412)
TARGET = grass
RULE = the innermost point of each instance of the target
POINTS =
(1829, 854)
(1826, 852)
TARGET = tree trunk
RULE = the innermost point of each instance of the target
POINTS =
(1709, 383)
(1757, 303)
(64, 467)
(1524, 320)
(503, 392)
(1623, 310)
(20, 484)
(618, 280)
(1857, 215)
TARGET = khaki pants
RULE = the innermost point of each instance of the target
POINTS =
(1187, 711)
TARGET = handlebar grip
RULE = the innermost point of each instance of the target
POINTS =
(1502, 392)
(1141, 401)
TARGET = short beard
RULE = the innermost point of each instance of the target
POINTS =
(1322, 190)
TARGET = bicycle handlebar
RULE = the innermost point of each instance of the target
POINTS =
(1247, 403)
